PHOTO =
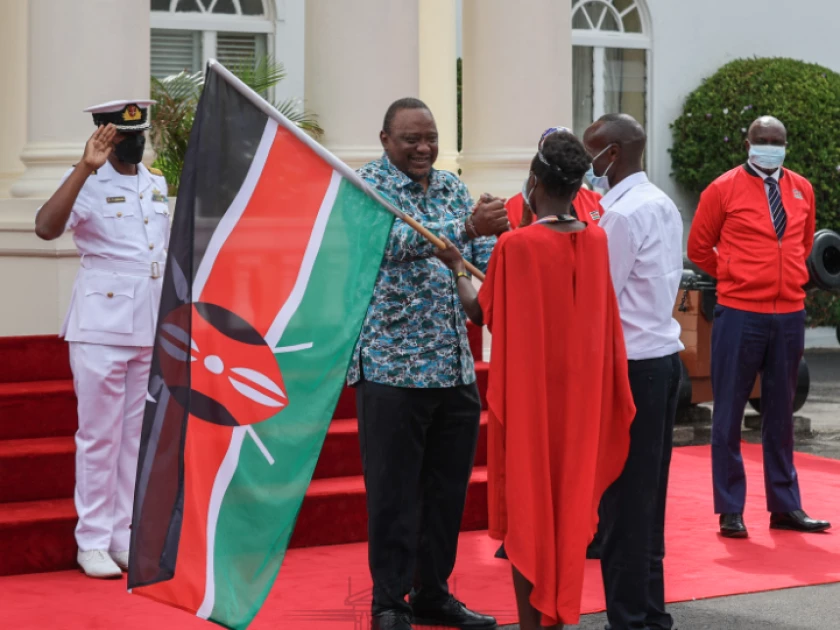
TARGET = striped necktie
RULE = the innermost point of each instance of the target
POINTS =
(777, 210)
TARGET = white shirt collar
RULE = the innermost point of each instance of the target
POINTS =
(614, 194)
(775, 175)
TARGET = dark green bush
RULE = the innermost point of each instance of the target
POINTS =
(709, 134)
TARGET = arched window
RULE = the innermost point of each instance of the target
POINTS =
(610, 58)
(187, 33)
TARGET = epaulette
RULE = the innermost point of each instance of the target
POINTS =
(156, 171)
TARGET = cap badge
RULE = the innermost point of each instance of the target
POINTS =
(132, 113)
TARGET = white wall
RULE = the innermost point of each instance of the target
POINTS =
(691, 40)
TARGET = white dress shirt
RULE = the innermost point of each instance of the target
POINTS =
(644, 232)
(775, 175)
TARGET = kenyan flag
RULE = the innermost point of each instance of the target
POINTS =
(274, 252)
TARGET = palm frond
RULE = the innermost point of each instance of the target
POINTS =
(177, 97)
(258, 74)
(292, 108)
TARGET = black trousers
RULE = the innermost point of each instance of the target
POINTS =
(633, 508)
(418, 447)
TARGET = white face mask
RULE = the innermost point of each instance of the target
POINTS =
(526, 196)
(599, 182)
(767, 156)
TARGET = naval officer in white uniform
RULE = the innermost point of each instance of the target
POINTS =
(118, 212)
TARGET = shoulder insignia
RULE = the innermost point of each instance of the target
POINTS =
(156, 171)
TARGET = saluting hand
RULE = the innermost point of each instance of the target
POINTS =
(99, 146)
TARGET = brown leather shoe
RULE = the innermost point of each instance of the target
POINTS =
(732, 526)
(797, 521)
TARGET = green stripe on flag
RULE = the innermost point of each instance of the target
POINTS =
(262, 502)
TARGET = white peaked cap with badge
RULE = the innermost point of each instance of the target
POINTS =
(126, 116)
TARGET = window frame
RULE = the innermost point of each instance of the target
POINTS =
(283, 24)
(600, 40)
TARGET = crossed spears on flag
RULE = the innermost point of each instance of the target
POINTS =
(256, 385)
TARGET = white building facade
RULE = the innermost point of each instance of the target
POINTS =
(527, 65)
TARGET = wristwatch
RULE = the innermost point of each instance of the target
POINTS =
(461, 274)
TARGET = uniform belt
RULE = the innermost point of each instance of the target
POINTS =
(128, 267)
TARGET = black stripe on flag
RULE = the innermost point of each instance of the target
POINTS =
(225, 135)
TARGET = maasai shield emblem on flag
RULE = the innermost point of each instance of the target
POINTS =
(274, 252)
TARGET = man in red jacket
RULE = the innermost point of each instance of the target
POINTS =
(753, 231)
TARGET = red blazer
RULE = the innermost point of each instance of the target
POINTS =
(755, 270)
(587, 205)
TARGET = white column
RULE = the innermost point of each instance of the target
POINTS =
(439, 76)
(358, 61)
(13, 73)
(80, 54)
(517, 82)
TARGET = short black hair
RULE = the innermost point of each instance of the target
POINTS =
(398, 106)
(567, 161)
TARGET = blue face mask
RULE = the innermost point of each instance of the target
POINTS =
(767, 156)
(525, 196)
(598, 182)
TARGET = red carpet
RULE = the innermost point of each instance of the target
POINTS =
(37, 462)
(328, 587)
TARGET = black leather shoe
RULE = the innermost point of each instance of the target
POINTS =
(453, 614)
(797, 521)
(391, 620)
(732, 526)
(500, 553)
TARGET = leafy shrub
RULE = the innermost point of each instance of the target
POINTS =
(709, 135)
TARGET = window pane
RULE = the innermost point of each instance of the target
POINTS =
(633, 22)
(610, 22)
(595, 10)
(234, 49)
(582, 88)
(579, 21)
(206, 3)
(175, 51)
(187, 6)
(224, 6)
(160, 5)
(252, 7)
(625, 82)
(622, 5)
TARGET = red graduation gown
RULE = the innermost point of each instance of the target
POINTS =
(559, 391)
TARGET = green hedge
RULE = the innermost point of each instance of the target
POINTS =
(709, 135)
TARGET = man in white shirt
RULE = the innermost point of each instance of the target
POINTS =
(118, 212)
(644, 231)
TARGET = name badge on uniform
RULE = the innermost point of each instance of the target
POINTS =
(158, 196)
(797, 194)
(115, 199)
(595, 215)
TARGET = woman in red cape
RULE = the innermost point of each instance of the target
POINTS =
(558, 382)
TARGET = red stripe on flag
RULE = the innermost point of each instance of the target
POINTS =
(257, 267)
(252, 276)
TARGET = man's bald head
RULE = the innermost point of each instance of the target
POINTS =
(621, 129)
(767, 130)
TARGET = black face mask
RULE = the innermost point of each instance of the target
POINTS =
(130, 150)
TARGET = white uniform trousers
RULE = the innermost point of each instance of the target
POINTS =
(111, 384)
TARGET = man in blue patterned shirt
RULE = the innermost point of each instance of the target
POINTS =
(417, 399)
